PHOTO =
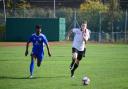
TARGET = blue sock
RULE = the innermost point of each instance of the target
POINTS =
(31, 67)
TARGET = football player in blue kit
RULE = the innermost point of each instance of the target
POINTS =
(38, 40)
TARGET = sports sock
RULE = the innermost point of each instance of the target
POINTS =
(84, 52)
(31, 67)
(72, 63)
(75, 67)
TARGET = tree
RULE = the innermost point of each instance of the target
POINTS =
(23, 4)
(94, 5)
(114, 5)
(114, 14)
(10, 6)
(90, 11)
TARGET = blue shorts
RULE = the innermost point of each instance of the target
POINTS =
(38, 55)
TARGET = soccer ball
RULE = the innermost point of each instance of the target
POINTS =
(85, 80)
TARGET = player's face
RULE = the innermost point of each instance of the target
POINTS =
(83, 27)
(38, 31)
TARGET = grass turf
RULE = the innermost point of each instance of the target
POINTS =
(105, 64)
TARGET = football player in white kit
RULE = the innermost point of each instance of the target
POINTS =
(81, 36)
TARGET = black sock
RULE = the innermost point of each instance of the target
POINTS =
(84, 52)
(75, 67)
(72, 62)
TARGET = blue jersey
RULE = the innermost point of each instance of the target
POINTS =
(38, 42)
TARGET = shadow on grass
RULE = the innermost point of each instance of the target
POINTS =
(10, 77)
(4, 60)
(76, 85)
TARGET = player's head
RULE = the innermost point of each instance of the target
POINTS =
(38, 29)
(84, 25)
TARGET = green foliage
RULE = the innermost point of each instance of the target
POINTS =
(114, 9)
(66, 13)
(113, 5)
(10, 4)
(10, 7)
(92, 19)
(90, 11)
(115, 15)
(1, 15)
(29, 13)
(93, 6)
(2, 28)
(23, 4)
(93, 0)
(2, 32)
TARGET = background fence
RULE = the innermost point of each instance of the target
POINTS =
(118, 37)
(20, 29)
(104, 26)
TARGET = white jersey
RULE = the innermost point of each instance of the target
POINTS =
(78, 41)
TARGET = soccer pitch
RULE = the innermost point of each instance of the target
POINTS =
(105, 64)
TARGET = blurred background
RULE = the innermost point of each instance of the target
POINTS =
(107, 19)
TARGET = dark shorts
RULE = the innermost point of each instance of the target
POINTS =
(80, 53)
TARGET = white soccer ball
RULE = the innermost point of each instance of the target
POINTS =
(85, 80)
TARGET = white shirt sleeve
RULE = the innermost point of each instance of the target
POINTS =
(74, 30)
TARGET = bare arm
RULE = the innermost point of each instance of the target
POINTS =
(27, 46)
(49, 52)
(69, 34)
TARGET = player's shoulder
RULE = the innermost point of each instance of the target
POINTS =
(41, 34)
(34, 34)
(75, 29)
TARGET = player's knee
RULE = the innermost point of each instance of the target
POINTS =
(38, 63)
(74, 55)
(33, 56)
(77, 62)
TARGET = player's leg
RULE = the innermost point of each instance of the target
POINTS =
(38, 62)
(39, 59)
(74, 57)
(32, 65)
(76, 64)
(84, 52)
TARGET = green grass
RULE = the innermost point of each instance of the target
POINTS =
(105, 64)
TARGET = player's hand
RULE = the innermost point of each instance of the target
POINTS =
(49, 54)
(67, 38)
(26, 52)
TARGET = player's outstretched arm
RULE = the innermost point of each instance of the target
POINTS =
(49, 52)
(69, 34)
(27, 45)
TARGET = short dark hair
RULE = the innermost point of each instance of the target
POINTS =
(38, 26)
(84, 22)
